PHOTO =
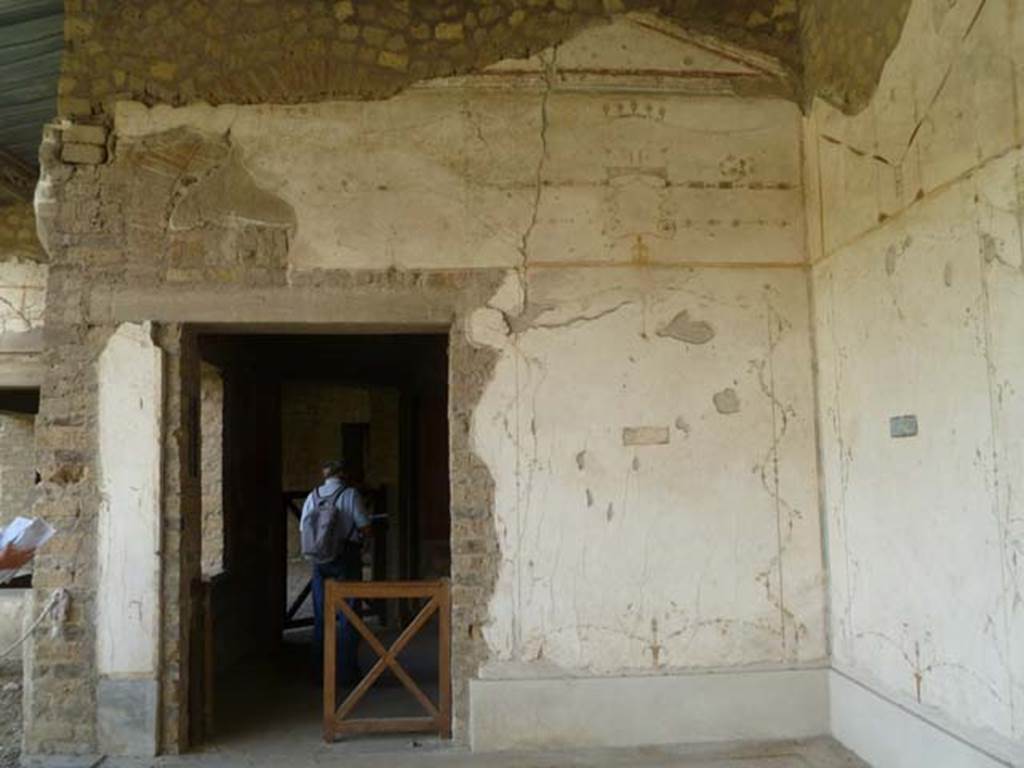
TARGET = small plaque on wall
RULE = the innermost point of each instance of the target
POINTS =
(903, 426)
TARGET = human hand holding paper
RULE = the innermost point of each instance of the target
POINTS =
(12, 558)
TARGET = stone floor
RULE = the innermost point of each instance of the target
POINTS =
(391, 752)
(268, 716)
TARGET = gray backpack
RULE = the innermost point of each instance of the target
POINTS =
(321, 532)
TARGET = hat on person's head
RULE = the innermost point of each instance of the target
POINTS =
(333, 468)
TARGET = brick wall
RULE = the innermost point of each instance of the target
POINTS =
(17, 465)
(211, 393)
(230, 51)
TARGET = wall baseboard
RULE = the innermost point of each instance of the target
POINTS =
(886, 734)
(658, 709)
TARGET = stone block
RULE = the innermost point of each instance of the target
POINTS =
(83, 154)
(86, 134)
(344, 10)
(391, 60)
(448, 31)
(126, 716)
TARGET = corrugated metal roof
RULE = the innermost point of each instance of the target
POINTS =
(31, 42)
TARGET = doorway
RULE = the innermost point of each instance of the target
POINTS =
(273, 408)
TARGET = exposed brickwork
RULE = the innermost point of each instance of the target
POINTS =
(211, 387)
(252, 51)
(845, 46)
(60, 695)
(17, 465)
(770, 26)
(475, 554)
(109, 229)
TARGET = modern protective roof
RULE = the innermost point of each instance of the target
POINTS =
(31, 42)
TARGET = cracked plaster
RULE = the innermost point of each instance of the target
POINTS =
(603, 224)
(918, 290)
(605, 221)
(645, 590)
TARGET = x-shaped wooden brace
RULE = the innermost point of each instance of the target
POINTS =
(388, 659)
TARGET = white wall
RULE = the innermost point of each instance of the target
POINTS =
(697, 547)
(128, 588)
(919, 296)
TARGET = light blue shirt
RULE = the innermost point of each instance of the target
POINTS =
(349, 504)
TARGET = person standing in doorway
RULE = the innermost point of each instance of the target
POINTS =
(333, 526)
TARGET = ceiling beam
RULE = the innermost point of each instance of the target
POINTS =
(17, 178)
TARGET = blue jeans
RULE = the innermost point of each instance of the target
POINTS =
(348, 567)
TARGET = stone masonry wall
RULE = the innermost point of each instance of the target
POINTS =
(108, 238)
(262, 51)
(211, 403)
(17, 465)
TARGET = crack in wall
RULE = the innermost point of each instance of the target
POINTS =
(584, 319)
(898, 164)
(524, 242)
(1001, 518)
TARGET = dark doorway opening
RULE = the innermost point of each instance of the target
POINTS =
(286, 404)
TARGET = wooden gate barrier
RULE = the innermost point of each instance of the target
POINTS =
(336, 718)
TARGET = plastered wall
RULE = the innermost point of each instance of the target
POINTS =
(652, 443)
(919, 306)
(649, 425)
(128, 595)
(624, 277)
